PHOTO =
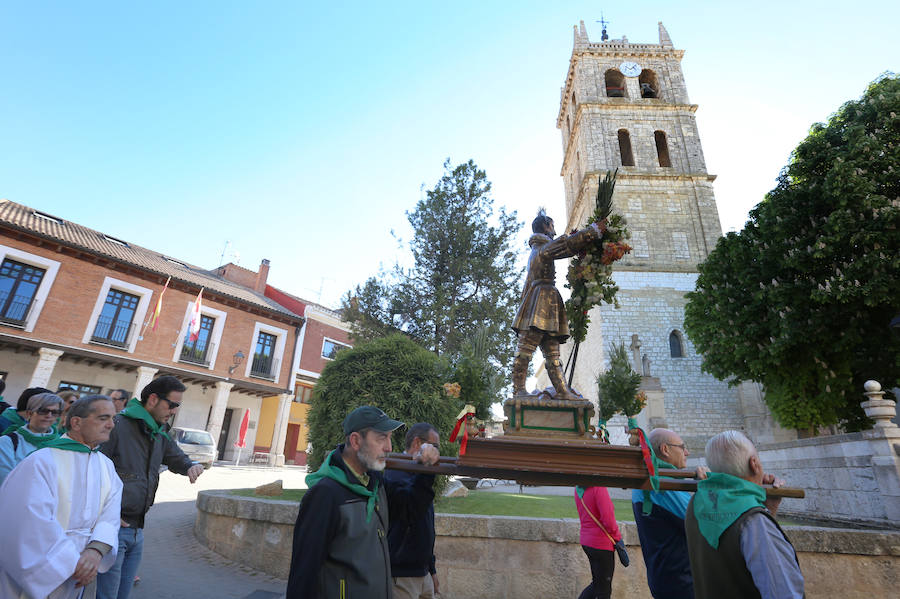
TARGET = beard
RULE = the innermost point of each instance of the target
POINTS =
(371, 458)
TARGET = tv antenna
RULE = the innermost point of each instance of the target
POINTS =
(603, 24)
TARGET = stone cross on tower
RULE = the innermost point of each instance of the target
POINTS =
(636, 352)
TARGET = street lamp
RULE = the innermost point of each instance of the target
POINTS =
(238, 358)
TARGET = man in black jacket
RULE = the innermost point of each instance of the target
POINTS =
(137, 446)
(340, 539)
(411, 534)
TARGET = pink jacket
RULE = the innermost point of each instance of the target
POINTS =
(597, 500)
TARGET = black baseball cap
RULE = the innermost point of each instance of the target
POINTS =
(369, 417)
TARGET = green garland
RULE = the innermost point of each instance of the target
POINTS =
(590, 274)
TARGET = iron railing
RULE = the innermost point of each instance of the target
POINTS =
(197, 355)
(16, 313)
(116, 334)
(264, 367)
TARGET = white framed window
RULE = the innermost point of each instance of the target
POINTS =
(266, 352)
(118, 314)
(330, 348)
(204, 350)
(23, 294)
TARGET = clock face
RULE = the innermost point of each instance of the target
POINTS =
(630, 69)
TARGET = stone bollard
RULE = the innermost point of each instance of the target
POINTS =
(881, 410)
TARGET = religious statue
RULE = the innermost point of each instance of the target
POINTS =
(541, 320)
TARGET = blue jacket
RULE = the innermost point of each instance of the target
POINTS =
(411, 532)
(664, 543)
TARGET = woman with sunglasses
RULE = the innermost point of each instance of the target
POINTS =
(41, 413)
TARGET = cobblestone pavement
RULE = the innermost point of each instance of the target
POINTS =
(176, 566)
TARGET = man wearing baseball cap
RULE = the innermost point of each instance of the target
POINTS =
(340, 539)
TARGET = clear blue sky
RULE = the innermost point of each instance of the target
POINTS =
(302, 133)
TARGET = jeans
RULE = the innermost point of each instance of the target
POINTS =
(117, 582)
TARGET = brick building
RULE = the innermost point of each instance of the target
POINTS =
(322, 336)
(73, 307)
(625, 106)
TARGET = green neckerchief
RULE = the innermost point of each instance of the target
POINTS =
(68, 444)
(647, 501)
(136, 411)
(337, 474)
(39, 440)
(720, 500)
(15, 420)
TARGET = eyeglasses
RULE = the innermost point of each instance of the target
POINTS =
(172, 404)
(681, 446)
(45, 411)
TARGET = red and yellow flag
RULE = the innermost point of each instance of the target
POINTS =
(154, 320)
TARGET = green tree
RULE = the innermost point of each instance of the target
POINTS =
(616, 388)
(480, 384)
(464, 275)
(800, 300)
(393, 373)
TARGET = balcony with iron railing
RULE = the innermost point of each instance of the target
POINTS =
(264, 367)
(114, 334)
(200, 356)
(17, 311)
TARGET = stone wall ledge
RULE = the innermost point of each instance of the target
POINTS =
(812, 539)
(264, 509)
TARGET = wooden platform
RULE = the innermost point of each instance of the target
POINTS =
(559, 462)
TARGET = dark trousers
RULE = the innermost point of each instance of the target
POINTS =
(602, 565)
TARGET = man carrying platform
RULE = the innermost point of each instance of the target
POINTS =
(660, 524)
(737, 549)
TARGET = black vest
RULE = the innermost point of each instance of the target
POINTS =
(722, 572)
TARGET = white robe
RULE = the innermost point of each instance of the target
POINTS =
(52, 505)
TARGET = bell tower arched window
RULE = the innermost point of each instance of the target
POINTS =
(625, 148)
(615, 84)
(676, 347)
(662, 148)
(649, 83)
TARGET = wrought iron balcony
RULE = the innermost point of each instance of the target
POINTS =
(115, 334)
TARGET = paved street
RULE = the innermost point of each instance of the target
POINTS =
(176, 566)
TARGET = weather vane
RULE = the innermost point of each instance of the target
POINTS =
(603, 23)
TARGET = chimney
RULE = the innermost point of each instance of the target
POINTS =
(262, 276)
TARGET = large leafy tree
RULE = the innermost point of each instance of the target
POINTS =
(464, 276)
(801, 299)
(392, 373)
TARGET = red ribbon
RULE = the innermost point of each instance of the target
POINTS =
(645, 449)
(460, 425)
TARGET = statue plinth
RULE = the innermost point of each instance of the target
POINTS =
(540, 415)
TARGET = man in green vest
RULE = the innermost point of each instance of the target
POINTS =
(736, 547)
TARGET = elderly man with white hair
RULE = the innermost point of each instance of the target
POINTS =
(737, 549)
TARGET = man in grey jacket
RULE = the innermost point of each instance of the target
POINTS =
(137, 446)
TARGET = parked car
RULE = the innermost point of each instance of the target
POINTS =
(197, 444)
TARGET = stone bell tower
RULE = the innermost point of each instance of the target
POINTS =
(625, 106)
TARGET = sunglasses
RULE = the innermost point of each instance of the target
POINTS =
(172, 404)
(45, 411)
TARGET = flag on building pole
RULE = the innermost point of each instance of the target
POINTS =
(154, 320)
(194, 326)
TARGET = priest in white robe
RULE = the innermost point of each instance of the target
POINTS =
(60, 511)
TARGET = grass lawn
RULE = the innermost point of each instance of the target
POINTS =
(493, 504)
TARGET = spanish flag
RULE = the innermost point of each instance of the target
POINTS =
(154, 320)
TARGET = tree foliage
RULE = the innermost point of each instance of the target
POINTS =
(479, 382)
(464, 275)
(800, 300)
(618, 386)
(392, 373)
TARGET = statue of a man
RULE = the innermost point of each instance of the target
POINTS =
(541, 320)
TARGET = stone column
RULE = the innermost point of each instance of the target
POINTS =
(44, 368)
(145, 374)
(884, 443)
(220, 402)
(276, 451)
